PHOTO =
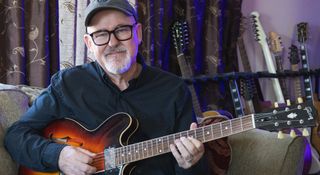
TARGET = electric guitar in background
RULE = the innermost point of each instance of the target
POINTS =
(261, 38)
(249, 88)
(302, 38)
(276, 48)
(294, 62)
(115, 157)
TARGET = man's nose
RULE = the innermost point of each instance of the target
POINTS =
(113, 41)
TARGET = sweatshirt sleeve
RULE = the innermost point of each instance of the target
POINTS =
(24, 140)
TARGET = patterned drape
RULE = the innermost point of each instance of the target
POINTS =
(28, 41)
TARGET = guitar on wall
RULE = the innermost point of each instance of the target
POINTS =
(261, 37)
(220, 150)
(250, 89)
(302, 38)
(276, 48)
(114, 156)
(294, 61)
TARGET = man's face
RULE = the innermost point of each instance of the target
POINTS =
(115, 57)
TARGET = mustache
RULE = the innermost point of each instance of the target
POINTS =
(111, 50)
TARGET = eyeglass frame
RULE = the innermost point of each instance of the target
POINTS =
(112, 32)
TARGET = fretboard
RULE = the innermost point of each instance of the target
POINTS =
(161, 145)
(306, 79)
(283, 84)
(186, 72)
(238, 107)
(296, 82)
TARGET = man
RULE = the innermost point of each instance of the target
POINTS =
(118, 81)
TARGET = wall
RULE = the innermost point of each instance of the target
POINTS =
(282, 17)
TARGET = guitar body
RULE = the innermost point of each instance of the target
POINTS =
(113, 132)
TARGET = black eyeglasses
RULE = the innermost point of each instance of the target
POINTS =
(122, 33)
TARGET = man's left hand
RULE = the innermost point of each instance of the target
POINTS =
(187, 150)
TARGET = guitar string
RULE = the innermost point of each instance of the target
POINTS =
(149, 144)
(100, 156)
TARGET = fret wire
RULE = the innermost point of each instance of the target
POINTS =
(230, 126)
(151, 147)
(134, 152)
(129, 153)
(117, 156)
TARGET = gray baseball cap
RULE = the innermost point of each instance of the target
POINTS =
(97, 5)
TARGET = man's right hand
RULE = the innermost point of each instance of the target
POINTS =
(76, 161)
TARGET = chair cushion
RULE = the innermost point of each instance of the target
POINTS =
(261, 152)
(13, 103)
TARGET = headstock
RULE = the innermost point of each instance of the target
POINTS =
(247, 89)
(302, 32)
(275, 43)
(294, 54)
(180, 36)
(259, 33)
(296, 116)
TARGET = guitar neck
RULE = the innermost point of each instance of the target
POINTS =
(238, 107)
(252, 103)
(161, 145)
(306, 79)
(243, 55)
(271, 69)
(297, 83)
(187, 73)
(283, 84)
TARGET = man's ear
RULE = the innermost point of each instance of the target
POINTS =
(87, 40)
(139, 32)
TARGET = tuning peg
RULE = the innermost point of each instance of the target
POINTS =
(305, 132)
(293, 134)
(288, 102)
(300, 100)
(280, 135)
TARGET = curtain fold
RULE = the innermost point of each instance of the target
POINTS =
(28, 41)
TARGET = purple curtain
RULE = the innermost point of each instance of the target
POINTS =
(29, 51)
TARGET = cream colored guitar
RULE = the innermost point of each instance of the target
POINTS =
(260, 36)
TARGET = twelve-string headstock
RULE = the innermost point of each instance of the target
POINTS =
(258, 31)
(180, 36)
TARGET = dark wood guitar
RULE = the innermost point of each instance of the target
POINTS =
(219, 150)
(302, 38)
(294, 61)
(115, 156)
(181, 40)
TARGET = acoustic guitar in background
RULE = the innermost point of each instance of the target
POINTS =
(261, 38)
(302, 38)
(218, 151)
(115, 157)
(276, 48)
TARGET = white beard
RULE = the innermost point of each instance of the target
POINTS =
(116, 65)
